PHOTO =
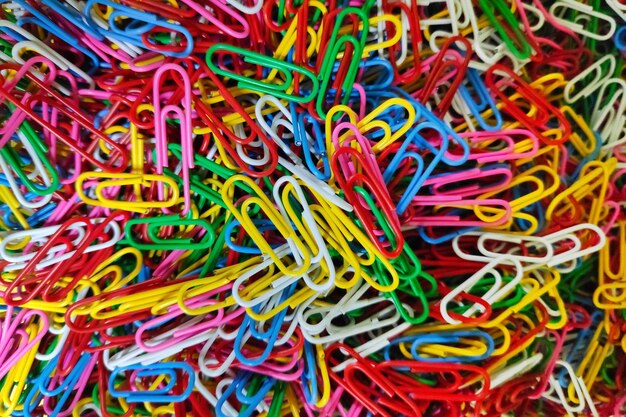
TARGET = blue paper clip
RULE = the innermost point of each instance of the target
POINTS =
(383, 74)
(445, 237)
(485, 100)
(262, 225)
(309, 376)
(535, 209)
(40, 386)
(34, 220)
(442, 338)
(250, 402)
(395, 119)
(454, 137)
(146, 22)
(159, 395)
(579, 346)
(424, 172)
(43, 21)
(620, 38)
(316, 146)
(73, 16)
(591, 157)
(269, 337)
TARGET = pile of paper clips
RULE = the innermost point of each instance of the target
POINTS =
(297, 207)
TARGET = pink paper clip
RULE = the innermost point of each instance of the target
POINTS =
(183, 113)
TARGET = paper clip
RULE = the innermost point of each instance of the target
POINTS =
(583, 11)
(484, 103)
(140, 22)
(114, 182)
(30, 323)
(352, 300)
(47, 387)
(348, 48)
(200, 227)
(357, 174)
(446, 58)
(285, 68)
(117, 157)
(601, 69)
(518, 46)
(495, 293)
(540, 113)
(169, 372)
(183, 115)
(283, 227)
(250, 402)
(16, 261)
(46, 283)
(432, 348)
